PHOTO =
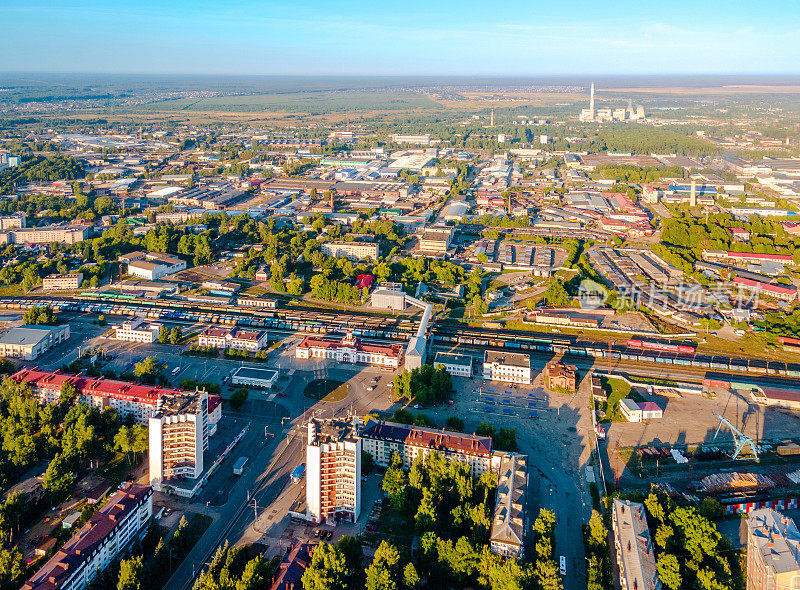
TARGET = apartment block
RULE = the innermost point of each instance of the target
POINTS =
(380, 439)
(509, 522)
(236, 338)
(773, 551)
(333, 470)
(634, 547)
(510, 367)
(351, 250)
(108, 535)
(28, 342)
(178, 435)
(62, 282)
(140, 401)
(137, 330)
(62, 234)
(15, 221)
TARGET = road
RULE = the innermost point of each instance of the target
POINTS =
(280, 455)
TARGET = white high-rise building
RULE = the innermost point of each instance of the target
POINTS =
(178, 435)
(333, 470)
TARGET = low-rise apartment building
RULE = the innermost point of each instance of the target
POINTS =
(62, 282)
(333, 470)
(351, 250)
(634, 547)
(140, 401)
(178, 437)
(350, 350)
(137, 330)
(381, 439)
(13, 221)
(109, 533)
(773, 551)
(458, 365)
(509, 522)
(510, 367)
(29, 342)
(236, 338)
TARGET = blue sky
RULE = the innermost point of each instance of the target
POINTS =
(411, 37)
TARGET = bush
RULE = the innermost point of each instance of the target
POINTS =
(454, 423)
(239, 397)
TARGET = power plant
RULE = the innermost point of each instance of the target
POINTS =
(592, 115)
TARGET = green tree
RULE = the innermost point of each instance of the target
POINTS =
(148, 369)
(394, 484)
(68, 395)
(328, 569)
(175, 335)
(410, 576)
(58, 478)
(384, 571)
(555, 295)
(131, 573)
(163, 334)
(12, 569)
(669, 571)
(454, 423)
(238, 398)
(131, 440)
(597, 530)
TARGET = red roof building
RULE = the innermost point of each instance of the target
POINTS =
(291, 569)
(784, 292)
(350, 350)
(109, 532)
(127, 398)
(365, 281)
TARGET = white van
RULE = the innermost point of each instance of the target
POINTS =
(563, 566)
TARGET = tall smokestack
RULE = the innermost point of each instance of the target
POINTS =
(591, 100)
(693, 195)
(491, 119)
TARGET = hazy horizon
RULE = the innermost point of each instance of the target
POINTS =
(355, 37)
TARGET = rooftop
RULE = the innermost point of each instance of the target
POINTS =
(514, 359)
(26, 335)
(99, 387)
(776, 538)
(635, 548)
(451, 358)
(184, 403)
(508, 524)
(255, 373)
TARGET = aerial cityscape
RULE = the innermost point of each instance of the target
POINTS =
(349, 296)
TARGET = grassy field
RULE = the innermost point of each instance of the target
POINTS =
(616, 389)
(327, 390)
(300, 102)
